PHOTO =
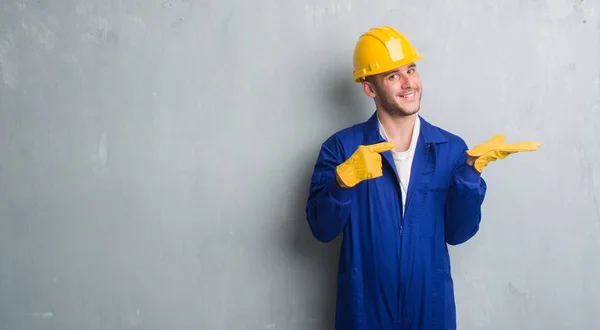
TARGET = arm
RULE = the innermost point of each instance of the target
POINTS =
(328, 205)
(465, 197)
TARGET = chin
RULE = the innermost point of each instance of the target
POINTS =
(402, 112)
(410, 111)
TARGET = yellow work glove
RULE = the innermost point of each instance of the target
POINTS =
(495, 148)
(364, 164)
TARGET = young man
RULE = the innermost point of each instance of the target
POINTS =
(399, 189)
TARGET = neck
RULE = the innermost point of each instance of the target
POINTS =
(398, 129)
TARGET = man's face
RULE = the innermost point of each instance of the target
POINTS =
(398, 91)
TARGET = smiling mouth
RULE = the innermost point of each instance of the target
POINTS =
(408, 95)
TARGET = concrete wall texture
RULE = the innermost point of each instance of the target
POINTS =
(155, 157)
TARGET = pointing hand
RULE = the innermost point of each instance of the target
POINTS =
(495, 148)
(364, 164)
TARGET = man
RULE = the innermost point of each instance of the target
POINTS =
(399, 189)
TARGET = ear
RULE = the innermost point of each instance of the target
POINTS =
(369, 89)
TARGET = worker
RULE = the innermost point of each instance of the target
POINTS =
(399, 190)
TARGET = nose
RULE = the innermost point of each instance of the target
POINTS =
(406, 82)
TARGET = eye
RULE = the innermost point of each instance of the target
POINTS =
(411, 71)
(392, 76)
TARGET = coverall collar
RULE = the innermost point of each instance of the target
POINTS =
(429, 133)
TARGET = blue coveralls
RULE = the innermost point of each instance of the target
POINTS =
(394, 271)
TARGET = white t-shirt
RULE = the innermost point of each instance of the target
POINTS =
(404, 159)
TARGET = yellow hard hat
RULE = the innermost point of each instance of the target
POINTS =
(382, 49)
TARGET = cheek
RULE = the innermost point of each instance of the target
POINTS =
(417, 81)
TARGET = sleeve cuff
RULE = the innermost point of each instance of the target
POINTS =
(339, 194)
(468, 174)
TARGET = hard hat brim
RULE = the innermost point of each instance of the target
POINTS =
(362, 74)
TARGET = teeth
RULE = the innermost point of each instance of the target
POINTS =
(408, 95)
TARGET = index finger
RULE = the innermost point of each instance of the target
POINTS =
(522, 146)
(382, 146)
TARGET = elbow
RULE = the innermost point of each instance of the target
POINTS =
(462, 221)
(461, 235)
(328, 213)
(323, 228)
(322, 235)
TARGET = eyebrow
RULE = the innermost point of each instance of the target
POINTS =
(396, 71)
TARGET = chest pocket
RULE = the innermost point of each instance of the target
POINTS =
(430, 217)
